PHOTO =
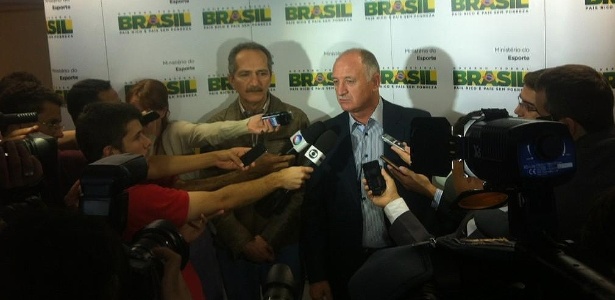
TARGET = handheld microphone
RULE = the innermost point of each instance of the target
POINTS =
(275, 202)
(317, 153)
(303, 139)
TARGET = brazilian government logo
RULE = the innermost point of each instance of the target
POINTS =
(236, 18)
(375, 10)
(62, 91)
(60, 28)
(499, 80)
(609, 74)
(599, 4)
(318, 13)
(176, 87)
(307, 80)
(219, 84)
(409, 78)
(473, 7)
(154, 22)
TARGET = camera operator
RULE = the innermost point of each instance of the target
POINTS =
(105, 129)
(582, 99)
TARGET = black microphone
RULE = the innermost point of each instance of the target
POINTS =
(302, 139)
(275, 202)
(317, 153)
(280, 284)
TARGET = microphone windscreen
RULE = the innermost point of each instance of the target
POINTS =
(317, 153)
(312, 132)
(326, 141)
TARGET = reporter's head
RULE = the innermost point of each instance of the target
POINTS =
(105, 129)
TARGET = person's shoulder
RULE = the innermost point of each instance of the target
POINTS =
(224, 114)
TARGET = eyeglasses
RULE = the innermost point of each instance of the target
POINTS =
(53, 125)
(526, 105)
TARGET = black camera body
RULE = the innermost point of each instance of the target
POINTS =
(103, 185)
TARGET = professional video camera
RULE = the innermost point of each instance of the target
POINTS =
(45, 149)
(103, 185)
(523, 160)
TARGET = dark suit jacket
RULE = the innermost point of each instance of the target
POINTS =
(332, 218)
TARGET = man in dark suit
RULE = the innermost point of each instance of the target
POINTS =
(341, 227)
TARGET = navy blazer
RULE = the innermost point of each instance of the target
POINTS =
(332, 218)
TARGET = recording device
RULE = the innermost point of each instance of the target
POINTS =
(280, 283)
(19, 118)
(375, 180)
(495, 147)
(146, 270)
(149, 117)
(306, 137)
(389, 162)
(523, 159)
(392, 141)
(252, 154)
(314, 156)
(278, 118)
(317, 153)
(104, 185)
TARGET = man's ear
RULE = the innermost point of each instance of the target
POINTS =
(575, 129)
(110, 150)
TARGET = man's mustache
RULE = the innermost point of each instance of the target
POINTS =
(254, 89)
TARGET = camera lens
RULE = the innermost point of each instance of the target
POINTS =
(158, 233)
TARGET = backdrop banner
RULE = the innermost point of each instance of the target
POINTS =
(445, 56)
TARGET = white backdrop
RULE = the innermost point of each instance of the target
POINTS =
(446, 56)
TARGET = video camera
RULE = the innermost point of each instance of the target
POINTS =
(523, 159)
(514, 156)
(45, 149)
(104, 185)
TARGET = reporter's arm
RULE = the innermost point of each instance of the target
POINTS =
(169, 165)
(236, 195)
(266, 164)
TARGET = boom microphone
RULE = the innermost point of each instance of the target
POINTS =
(302, 139)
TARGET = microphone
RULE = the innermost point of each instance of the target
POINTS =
(275, 202)
(317, 153)
(302, 139)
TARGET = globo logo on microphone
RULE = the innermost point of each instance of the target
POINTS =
(313, 153)
(297, 139)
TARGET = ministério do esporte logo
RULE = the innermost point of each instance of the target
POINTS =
(161, 21)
